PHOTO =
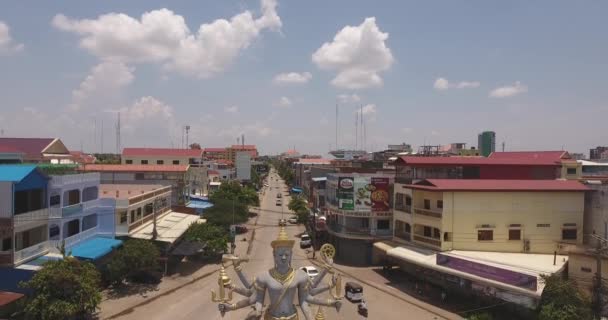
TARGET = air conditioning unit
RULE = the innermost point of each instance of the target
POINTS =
(526, 245)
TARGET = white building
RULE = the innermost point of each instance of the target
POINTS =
(243, 166)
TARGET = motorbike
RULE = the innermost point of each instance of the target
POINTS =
(362, 309)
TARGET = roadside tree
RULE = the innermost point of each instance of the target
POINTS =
(214, 237)
(561, 300)
(136, 260)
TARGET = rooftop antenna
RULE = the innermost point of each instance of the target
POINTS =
(243, 139)
(118, 147)
(356, 130)
(2, 132)
(238, 140)
(503, 146)
(101, 133)
(187, 128)
(364, 133)
(361, 118)
(95, 133)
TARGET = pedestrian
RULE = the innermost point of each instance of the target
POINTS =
(443, 296)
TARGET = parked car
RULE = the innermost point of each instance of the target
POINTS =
(279, 195)
(293, 220)
(239, 229)
(311, 271)
(282, 222)
(353, 291)
(279, 202)
(305, 241)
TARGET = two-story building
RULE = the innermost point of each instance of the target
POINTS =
(35, 150)
(161, 156)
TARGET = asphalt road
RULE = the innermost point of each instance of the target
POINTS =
(194, 301)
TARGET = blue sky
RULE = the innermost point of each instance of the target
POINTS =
(425, 71)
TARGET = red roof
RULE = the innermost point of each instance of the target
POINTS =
(476, 161)
(191, 153)
(223, 161)
(243, 147)
(9, 149)
(212, 172)
(532, 155)
(135, 168)
(313, 161)
(7, 297)
(214, 149)
(31, 147)
(82, 157)
(497, 185)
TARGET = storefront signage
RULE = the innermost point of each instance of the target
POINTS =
(362, 193)
(514, 278)
(380, 194)
(346, 200)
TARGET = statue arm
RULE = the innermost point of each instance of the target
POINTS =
(303, 293)
(242, 291)
(239, 272)
(254, 297)
(315, 291)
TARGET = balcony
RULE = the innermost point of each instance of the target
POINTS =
(404, 208)
(338, 228)
(431, 241)
(31, 252)
(80, 208)
(41, 215)
(428, 213)
(59, 181)
(73, 240)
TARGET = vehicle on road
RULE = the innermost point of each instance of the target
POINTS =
(282, 222)
(353, 292)
(239, 229)
(293, 220)
(305, 241)
(279, 195)
(279, 202)
(311, 271)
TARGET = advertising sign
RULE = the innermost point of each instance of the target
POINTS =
(346, 200)
(362, 193)
(379, 194)
(514, 278)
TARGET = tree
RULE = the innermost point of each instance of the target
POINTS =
(195, 146)
(63, 289)
(480, 316)
(299, 207)
(561, 300)
(221, 214)
(135, 259)
(214, 237)
(232, 190)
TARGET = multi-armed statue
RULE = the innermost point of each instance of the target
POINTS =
(282, 283)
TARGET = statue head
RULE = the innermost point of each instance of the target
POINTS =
(282, 249)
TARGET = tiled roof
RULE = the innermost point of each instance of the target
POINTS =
(135, 168)
(192, 153)
(9, 149)
(16, 172)
(497, 185)
(472, 161)
(31, 147)
(215, 149)
(82, 157)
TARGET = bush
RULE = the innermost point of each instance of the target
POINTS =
(216, 238)
(137, 260)
(561, 300)
(63, 289)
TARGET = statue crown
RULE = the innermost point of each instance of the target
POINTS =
(282, 240)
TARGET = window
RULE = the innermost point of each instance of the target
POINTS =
(485, 235)
(585, 269)
(447, 236)
(144, 161)
(439, 204)
(138, 213)
(384, 224)
(55, 200)
(514, 234)
(568, 234)
(399, 201)
(408, 200)
(148, 208)
(7, 244)
(570, 171)
(123, 217)
(175, 161)
(427, 204)
(436, 233)
(428, 231)
(543, 225)
(53, 231)
(365, 223)
(160, 162)
(129, 161)
(132, 216)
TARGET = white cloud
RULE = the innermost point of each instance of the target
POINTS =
(369, 111)
(292, 78)
(105, 79)
(161, 36)
(346, 98)
(7, 44)
(145, 108)
(232, 109)
(283, 102)
(358, 54)
(444, 84)
(509, 91)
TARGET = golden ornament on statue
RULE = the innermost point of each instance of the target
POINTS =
(327, 251)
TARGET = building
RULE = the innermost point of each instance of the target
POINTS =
(215, 154)
(469, 152)
(249, 148)
(536, 216)
(596, 153)
(176, 176)
(243, 166)
(35, 150)
(582, 267)
(593, 170)
(486, 143)
(358, 213)
(161, 156)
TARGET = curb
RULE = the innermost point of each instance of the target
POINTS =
(427, 307)
(250, 246)
(147, 301)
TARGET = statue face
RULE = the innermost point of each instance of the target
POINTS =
(282, 257)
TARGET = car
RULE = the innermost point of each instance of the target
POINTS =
(282, 222)
(239, 229)
(353, 291)
(293, 220)
(311, 271)
(279, 195)
(305, 241)
(279, 202)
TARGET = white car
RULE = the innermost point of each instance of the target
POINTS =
(293, 220)
(311, 271)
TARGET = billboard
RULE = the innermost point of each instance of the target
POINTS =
(513, 278)
(380, 194)
(346, 186)
(362, 194)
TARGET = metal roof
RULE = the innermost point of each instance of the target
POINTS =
(497, 185)
(15, 173)
(192, 153)
(136, 168)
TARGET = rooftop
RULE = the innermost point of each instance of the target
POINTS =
(477, 161)
(532, 155)
(169, 227)
(125, 191)
(31, 147)
(192, 153)
(7, 297)
(135, 168)
(214, 149)
(497, 185)
(15, 173)
(243, 147)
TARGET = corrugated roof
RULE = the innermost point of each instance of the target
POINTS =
(135, 168)
(477, 161)
(497, 185)
(192, 153)
(15, 173)
(531, 155)
(31, 147)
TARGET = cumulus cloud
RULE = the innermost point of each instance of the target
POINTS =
(283, 102)
(232, 109)
(368, 111)
(147, 107)
(346, 98)
(7, 44)
(358, 54)
(162, 36)
(292, 78)
(104, 80)
(443, 84)
(508, 91)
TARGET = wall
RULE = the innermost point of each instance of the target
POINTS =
(168, 160)
(519, 172)
(596, 212)
(6, 199)
(582, 269)
(465, 211)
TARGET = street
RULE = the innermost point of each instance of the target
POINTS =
(194, 301)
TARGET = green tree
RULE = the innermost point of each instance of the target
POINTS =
(480, 316)
(136, 258)
(221, 214)
(216, 238)
(232, 190)
(299, 207)
(561, 300)
(63, 289)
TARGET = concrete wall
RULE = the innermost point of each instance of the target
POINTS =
(596, 212)
(582, 269)
(168, 160)
(6, 199)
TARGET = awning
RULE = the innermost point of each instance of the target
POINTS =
(215, 183)
(94, 248)
(319, 179)
(384, 246)
(296, 190)
(169, 227)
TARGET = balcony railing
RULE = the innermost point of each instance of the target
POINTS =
(403, 208)
(57, 181)
(73, 240)
(431, 241)
(428, 213)
(37, 215)
(338, 228)
(404, 236)
(31, 252)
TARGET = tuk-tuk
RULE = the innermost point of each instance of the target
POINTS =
(353, 291)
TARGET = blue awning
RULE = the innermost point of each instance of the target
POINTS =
(296, 190)
(95, 248)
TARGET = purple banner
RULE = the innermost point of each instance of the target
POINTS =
(514, 278)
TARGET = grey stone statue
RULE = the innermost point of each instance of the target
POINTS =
(282, 283)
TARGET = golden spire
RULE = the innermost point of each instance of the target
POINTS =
(223, 278)
(320, 315)
(282, 240)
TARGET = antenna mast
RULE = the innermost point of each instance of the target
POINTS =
(101, 135)
(337, 127)
(356, 130)
(187, 128)
(118, 146)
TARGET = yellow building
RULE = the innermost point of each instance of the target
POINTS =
(161, 156)
(582, 267)
(536, 216)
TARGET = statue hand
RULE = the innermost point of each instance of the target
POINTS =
(338, 305)
(224, 307)
(254, 315)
